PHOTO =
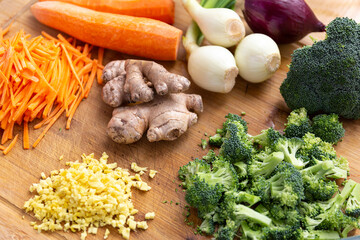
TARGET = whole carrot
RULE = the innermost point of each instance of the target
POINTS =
(162, 10)
(132, 35)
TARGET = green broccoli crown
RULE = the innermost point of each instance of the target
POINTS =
(267, 138)
(236, 145)
(290, 147)
(265, 163)
(236, 119)
(326, 76)
(314, 147)
(187, 171)
(228, 231)
(328, 128)
(210, 156)
(282, 232)
(261, 187)
(298, 124)
(203, 196)
(242, 197)
(286, 185)
(241, 169)
(311, 210)
(284, 215)
(208, 224)
(216, 140)
(353, 203)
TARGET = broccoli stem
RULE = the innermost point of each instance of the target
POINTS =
(320, 169)
(243, 212)
(320, 235)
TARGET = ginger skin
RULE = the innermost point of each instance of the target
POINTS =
(166, 118)
(130, 81)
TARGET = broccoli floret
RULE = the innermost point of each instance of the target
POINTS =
(236, 146)
(187, 171)
(208, 225)
(286, 185)
(332, 217)
(241, 169)
(284, 215)
(282, 232)
(316, 185)
(264, 164)
(315, 148)
(203, 196)
(290, 147)
(353, 203)
(236, 119)
(222, 173)
(326, 76)
(298, 124)
(228, 231)
(216, 140)
(310, 210)
(267, 138)
(261, 187)
(342, 163)
(328, 128)
(210, 156)
(243, 197)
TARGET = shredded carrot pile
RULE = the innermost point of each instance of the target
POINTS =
(42, 78)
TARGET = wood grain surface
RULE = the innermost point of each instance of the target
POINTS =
(262, 103)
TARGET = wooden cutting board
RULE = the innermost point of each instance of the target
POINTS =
(262, 103)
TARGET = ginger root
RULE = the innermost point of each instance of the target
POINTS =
(133, 81)
(166, 117)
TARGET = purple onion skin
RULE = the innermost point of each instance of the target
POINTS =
(285, 21)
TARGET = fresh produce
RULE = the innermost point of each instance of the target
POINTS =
(210, 67)
(166, 118)
(41, 78)
(132, 35)
(220, 26)
(163, 10)
(87, 195)
(284, 21)
(325, 76)
(328, 128)
(257, 57)
(125, 82)
(270, 186)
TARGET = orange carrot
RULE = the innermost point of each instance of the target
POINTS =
(100, 59)
(162, 10)
(132, 35)
(11, 145)
(41, 78)
(26, 136)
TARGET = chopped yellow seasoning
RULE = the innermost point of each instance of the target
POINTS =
(87, 195)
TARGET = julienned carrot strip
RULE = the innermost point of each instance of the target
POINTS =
(100, 59)
(2, 148)
(162, 10)
(26, 136)
(11, 145)
(41, 77)
(48, 127)
(132, 35)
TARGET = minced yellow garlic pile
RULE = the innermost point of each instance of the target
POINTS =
(87, 195)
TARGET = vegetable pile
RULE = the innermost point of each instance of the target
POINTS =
(42, 77)
(326, 76)
(273, 186)
(87, 195)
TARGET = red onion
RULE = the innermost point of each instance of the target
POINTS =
(285, 21)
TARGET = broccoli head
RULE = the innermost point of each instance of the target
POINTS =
(236, 145)
(227, 232)
(267, 138)
(208, 225)
(353, 203)
(328, 128)
(315, 148)
(286, 185)
(316, 185)
(235, 119)
(203, 196)
(222, 173)
(261, 187)
(264, 164)
(187, 171)
(326, 76)
(298, 124)
(290, 147)
(216, 140)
